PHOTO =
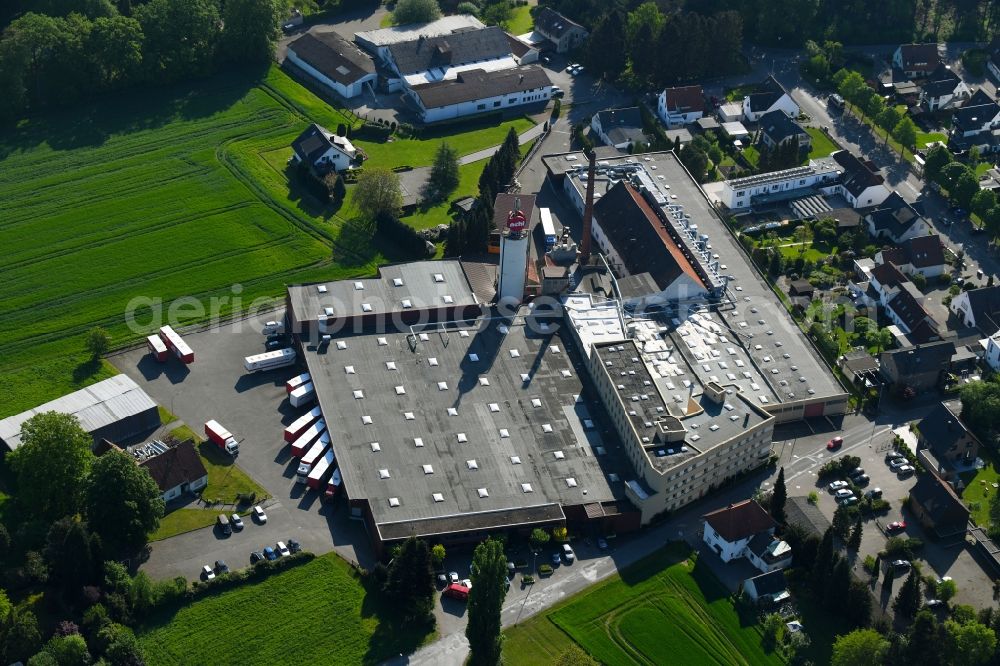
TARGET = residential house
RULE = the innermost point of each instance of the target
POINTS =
(635, 242)
(990, 180)
(334, 62)
(681, 106)
(803, 514)
(730, 531)
(730, 112)
(978, 308)
(916, 61)
(177, 471)
(938, 507)
(945, 446)
(429, 59)
(992, 354)
(564, 34)
(943, 89)
(735, 131)
(801, 288)
(859, 182)
(920, 367)
(620, 128)
(896, 220)
(777, 129)
(922, 255)
(767, 588)
(847, 219)
(768, 96)
(323, 150)
(681, 134)
(902, 303)
(860, 368)
(478, 91)
(976, 125)
(707, 123)
(993, 62)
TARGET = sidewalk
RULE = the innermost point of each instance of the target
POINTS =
(526, 137)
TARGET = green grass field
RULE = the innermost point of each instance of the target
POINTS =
(979, 488)
(665, 609)
(520, 20)
(168, 193)
(315, 613)
(821, 143)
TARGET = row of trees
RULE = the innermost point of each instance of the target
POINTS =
(869, 103)
(57, 60)
(962, 185)
(471, 233)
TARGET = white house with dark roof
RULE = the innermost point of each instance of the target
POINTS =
(745, 529)
(323, 150)
(895, 219)
(334, 62)
(920, 254)
(943, 89)
(620, 128)
(976, 125)
(564, 34)
(777, 129)
(993, 62)
(978, 308)
(680, 106)
(859, 183)
(768, 96)
(916, 61)
(478, 91)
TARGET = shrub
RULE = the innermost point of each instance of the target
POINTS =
(556, 108)
(813, 497)
(838, 466)
(871, 565)
(528, 579)
(901, 548)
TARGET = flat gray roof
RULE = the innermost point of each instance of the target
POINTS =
(485, 404)
(95, 407)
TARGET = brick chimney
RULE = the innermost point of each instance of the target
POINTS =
(588, 209)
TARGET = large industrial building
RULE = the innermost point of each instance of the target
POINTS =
(115, 409)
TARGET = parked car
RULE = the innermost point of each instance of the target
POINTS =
(934, 603)
(894, 455)
(905, 471)
(236, 522)
(221, 567)
(259, 515)
(556, 559)
(273, 345)
(282, 549)
(901, 564)
(453, 577)
(466, 583)
(294, 546)
(578, 70)
(207, 573)
(861, 480)
(847, 501)
(511, 569)
(256, 556)
(223, 523)
(558, 92)
(896, 463)
(874, 493)
(456, 591)
(842, 493)
(834, 443)
(857, 471)
(442, 580)
(896, 525)
(270, 554)
(837, 485)
(568, 552)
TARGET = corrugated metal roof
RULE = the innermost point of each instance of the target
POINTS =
(96, 406)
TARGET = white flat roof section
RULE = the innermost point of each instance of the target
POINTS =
(406, 33)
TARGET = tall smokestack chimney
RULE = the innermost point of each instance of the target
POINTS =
(588, 209)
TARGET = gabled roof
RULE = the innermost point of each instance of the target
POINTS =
(984, 303)
(554, 24)
(460, 48)
(907, 307)
(893, 215)
(333, 56)
(942, 82)
(919, 359)
(685, 99)
(316, 140)
(779, 127)
(940, 502)
(178, 464)
(979, 97)
(622, 125)
(476, 84)
(766, 94)
(857, 177)
(919, 57)
(974, 116)
(634, 230)
(942, 428)
(740, 521)
(888, 276)
(806, 516)
(770, 583)
(919, 252)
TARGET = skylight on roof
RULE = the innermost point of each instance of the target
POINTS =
(438, 277)
(390, 365)
(474, 357)
(398, 282)
(526, 488)
(366, 307)
(452, 411)
(366, 420)
(494, 407)
(321, 288)
(341, 344)
(484, 381)
(382, 342)
(406, 303)
(433, 362)
(462, 437)
(554, 349)
(359, 394)
(438, 497)
(349, 369)
(567, 373)
(472, 464)
(571, 482)
(328, 311)
(383, 474)
(442, 386)
(515, 460)
(400, 390)
(546, 427)
(428, 469)
(424, 337)
(393, 501)
(376, 447)
(559, 455)
(409, 416)
(525, 376)
(463, 334)
(535, 402)
(358, 286)
(504, 433)
(448, 299)
(514, 353)
(483, 492)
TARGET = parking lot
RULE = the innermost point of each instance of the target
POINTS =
(255, 409)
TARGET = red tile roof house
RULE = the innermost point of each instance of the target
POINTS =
(746, 530)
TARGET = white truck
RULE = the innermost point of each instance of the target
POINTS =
(269, 360)
(222, 438)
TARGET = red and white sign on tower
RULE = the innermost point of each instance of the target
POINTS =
(516, 223)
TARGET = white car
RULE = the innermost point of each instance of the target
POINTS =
(897, 463)
(467, 583)
(236, 522)
(259, 514)
(906, 470)
(453, 577)
(207, 573)
(837, 485)
(842, 493)
(282, 549)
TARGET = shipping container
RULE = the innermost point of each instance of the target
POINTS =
(304, 441)
(316, 451)
(548, 228)
(333, 486)
(296, 382)
(157, 348)
(176, 344)
(320, 474)
(298, 426)
(303, 395)
(269, 360)
(221, 437)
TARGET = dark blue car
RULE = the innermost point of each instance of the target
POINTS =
(270, 554)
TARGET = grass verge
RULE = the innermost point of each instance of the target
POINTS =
(822, 145)
(184, 520)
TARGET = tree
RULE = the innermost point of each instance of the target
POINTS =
(416, 11)
(851, 86)
(908, 600)
(20, 636)
(438, 555)
(489, 587)
(982, 202)
(68, 650)
(339, 189)
(854, 542)
(938, 158)
(98, 342)
(823, 563)
(905, 132)
(607, 50)
(965, 188)
(444, 173)
(981, 412)
(538, 538)
(51, 465)
(410, 583)
(861, 647)
(180, 37)
(858, 607)
(695, 160)
(123, 502)
(945, 590)
(778, 497)
(115, 46)
(123, 648)
(252, 29)
(888, 119)
(974, 643)
(378, 191)
(923, 645)
(467, 7)
(574, 656)
(72, 555)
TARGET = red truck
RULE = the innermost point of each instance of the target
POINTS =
(296, 382)
(176, 344)
(333, 486)
(299, 425)
(221, 438)
(320, 474)
(157, 348)
(305, 441)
